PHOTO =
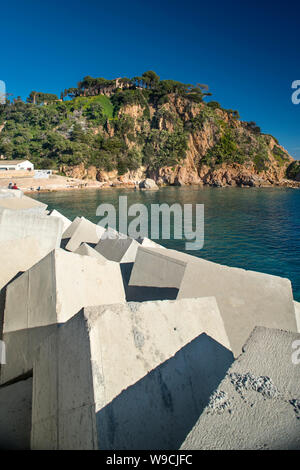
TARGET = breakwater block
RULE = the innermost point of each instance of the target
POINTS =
(48, 294)
(85, 231)
(71, 228)
(65, 220)
(246, 298)
(120, 248)
(17, 256)
(257, 405)
(87, 250)
(15, 225)
(23, 203)
(128, 376)
(15, 415)
(297, 314)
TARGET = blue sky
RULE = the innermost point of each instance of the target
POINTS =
(247, 52)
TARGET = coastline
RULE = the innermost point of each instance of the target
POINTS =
(57, 183)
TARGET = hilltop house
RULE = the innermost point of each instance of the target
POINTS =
(10, 165)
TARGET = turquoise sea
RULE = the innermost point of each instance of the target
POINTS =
(251, 228)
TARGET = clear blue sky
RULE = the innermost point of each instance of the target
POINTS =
(247, 52)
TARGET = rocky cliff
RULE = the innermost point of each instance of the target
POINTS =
(166, 132)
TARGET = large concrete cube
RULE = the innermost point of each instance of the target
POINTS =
(257, 405)
(23, 203)
(117, 247)
(85, 231)
(48, 294)
(246, 298)
(128, 376)
(15, 225)
(297, 314)
(66, 222)
(15, 415)
(17, 256)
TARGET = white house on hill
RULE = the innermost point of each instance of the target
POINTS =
(10, 165)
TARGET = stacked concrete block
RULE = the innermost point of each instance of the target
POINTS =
(84, 231)
(121, 248)
(66, 222)
(15, 415)
(68, 232)
(246, 298)
(17, 256)
(297, 314)
(15, 225)
(4, 193)
(23, 203)
(128, 376)
(48, 294)
(257, 405)
(87, 250)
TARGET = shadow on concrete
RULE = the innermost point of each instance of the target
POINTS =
(143, 294)
(160, 410)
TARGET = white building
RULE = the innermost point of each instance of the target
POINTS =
(10, 165)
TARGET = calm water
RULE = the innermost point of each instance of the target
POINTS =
(251, 228)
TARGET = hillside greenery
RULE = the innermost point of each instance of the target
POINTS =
(89, 124)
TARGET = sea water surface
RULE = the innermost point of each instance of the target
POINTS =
(251, 228)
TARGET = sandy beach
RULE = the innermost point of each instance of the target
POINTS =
(53, 183)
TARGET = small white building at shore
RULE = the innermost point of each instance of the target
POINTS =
(11, 165)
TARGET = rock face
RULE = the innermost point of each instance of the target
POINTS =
(257, 404)
(220, 149)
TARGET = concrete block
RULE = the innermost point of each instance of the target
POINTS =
(10, 193)
(257, 405)
(297, 314)
(85, 231)
(15, 415)
(65, 220)
(128, 376)
(119, 249)
(122, 249)
(48, 294)
(23, 203)
(246, 298)
(87, 250)
(17, 256)
(15, 225)
(71, 229)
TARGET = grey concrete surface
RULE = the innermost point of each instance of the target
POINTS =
(17, 256)
(50, 293)
(66, 222)
(86, 250)
(15, 415)
(85, 231)
(246, 298)
(15, 225)
(71, 228)
(257, 405)
(22, 203)
(121, 250)
(297, 314)
(128, 376)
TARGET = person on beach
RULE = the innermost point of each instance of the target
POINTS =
(10, 186)
(15, 186)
